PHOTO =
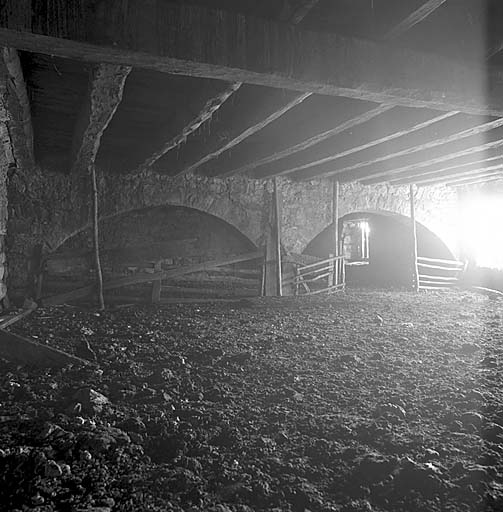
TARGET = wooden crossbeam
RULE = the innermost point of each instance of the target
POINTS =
(190, 40)
(16, 131)
(312, 141)
(103, 98)
(327, 170)
(288, 169)
(199, 152)
(206, 114)
(413, 19)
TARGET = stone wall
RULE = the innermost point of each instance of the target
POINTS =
(45, 207)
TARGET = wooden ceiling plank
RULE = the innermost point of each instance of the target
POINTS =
(235, 48)
(413, 19)
(470, 132)
(208, 111)
(316, 139)
(103, 98)
(357, 149)
(16, 130)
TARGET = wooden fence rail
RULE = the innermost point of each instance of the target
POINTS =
(446, 273)
(329, 273)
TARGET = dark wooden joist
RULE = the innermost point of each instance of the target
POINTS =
(234, 126)
(413, 19)
(459, 168)
(206, 114)
(374, 163)
(391, 173)
(194, 41)
(311, 141)
(16, 131)
(104, 96)
(308, 159)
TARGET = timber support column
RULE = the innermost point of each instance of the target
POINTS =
(415, 271)
(335, 226)
(272, 280)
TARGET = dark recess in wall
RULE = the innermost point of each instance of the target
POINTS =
(134, 241)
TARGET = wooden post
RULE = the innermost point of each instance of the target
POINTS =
(335, 224)
(157, 284)
(99, 274)
(332, 276)
(277, 235)
(335, 215)
(415, 272)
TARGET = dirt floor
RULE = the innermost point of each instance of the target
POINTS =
(364, 401)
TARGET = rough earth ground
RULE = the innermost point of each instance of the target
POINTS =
(363, 401)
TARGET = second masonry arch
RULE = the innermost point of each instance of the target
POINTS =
(377, 247)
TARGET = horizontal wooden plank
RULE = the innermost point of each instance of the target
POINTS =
(186, 39)
(439, 267)
(22, 350)
(437, 260)
(424, 277)
(147, 277)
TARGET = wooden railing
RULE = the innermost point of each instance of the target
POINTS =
(323, 276)
(437, 274)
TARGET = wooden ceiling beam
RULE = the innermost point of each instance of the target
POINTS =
(312, 141)
(440, 178)
(199, 152)
(267, 109)
(471, 164)
(475, 181)
(327, 169)
(103, 98)
(413, 19)
(417, 16)
(235, 48)
(392, 173)
(16, 131)
(208, 111)
(286, 169)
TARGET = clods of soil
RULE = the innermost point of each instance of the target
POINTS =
(364, 401)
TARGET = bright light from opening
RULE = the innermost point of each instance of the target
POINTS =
(365, 227)
(482, 227)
